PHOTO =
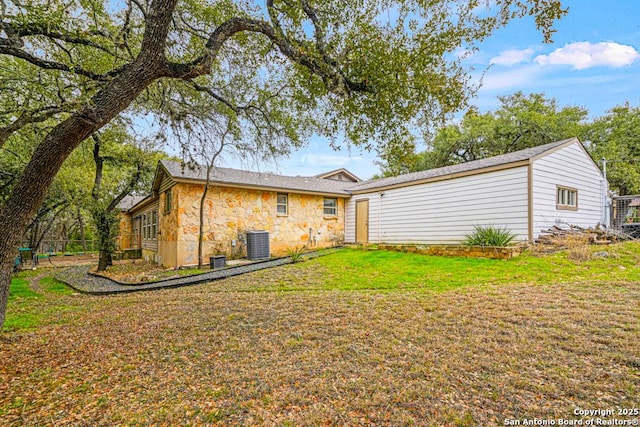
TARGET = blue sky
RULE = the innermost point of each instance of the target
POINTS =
(593, 62)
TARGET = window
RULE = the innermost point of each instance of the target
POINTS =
(282, 204)
(154, 225)
(144, 227)
(150, 225)
(168, 200)
(567, 198)
(331, 207)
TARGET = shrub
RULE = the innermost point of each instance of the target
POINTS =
(296, 253)
(577, 247)
(489, 235)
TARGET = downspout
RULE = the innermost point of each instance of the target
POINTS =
(530, 200)
(380, 194)
(606, 215)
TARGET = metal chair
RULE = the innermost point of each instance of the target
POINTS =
(28, 254)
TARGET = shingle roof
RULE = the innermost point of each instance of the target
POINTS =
(328, 175)
(130, 201)
(476, 165)
(242, 178)
(316, 185)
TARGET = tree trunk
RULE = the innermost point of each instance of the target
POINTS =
(125, 85)
(81, 229)
(201, 229)
(48, 157)
(64, 236)
(106, 224)
(104, 260)
(44, 232)
(35, 229)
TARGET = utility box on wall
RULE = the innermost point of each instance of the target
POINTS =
(258, 245)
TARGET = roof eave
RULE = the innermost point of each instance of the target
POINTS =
(566, 144)
(142, 203)
(444, 177)
(344, 194)
(337, 171)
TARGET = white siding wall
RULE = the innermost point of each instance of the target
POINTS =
(570, 167)
(443, 212)
(350, 217)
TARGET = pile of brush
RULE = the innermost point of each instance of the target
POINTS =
(559, 234)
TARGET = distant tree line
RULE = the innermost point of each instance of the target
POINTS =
(524, 121)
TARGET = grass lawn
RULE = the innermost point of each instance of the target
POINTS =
(353, 338)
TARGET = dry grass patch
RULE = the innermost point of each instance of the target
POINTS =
(208, 355)
(140, 271)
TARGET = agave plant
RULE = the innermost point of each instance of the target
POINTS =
(296, 253)
(489, 235)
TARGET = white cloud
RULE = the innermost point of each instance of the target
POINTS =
(513, 57)
(496, 79)
(583, 55)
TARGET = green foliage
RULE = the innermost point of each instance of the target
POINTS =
(280, 71)
(521, 122)
(528, 121)
(296, 253)
(615, 137)
(328, 68)
(489, 235)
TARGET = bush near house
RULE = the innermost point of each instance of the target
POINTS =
(489, 235)
(296, 253)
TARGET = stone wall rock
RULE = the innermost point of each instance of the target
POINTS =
(493, 252)
(230, 212)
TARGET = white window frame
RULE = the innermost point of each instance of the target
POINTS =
(331, 209)
(282, 208)
(144, 227)
(566, 198)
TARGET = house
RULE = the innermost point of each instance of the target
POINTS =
(526, 191)
(296, 211)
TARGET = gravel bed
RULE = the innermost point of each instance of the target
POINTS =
(79, 279)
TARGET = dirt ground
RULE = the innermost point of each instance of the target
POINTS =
(65, 261)
(215, 355)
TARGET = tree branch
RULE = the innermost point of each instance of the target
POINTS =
(51, 65)
(99, 161)
(131, 184)
(215, 96)
(335, 80)
(30, 117)
(36, 29)
(318, 32)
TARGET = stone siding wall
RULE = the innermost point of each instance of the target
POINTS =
(231, 212)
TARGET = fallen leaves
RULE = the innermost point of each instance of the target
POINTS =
(210, 355)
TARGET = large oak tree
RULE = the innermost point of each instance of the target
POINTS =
(615, 137)
(367, 69)
(522, 121)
